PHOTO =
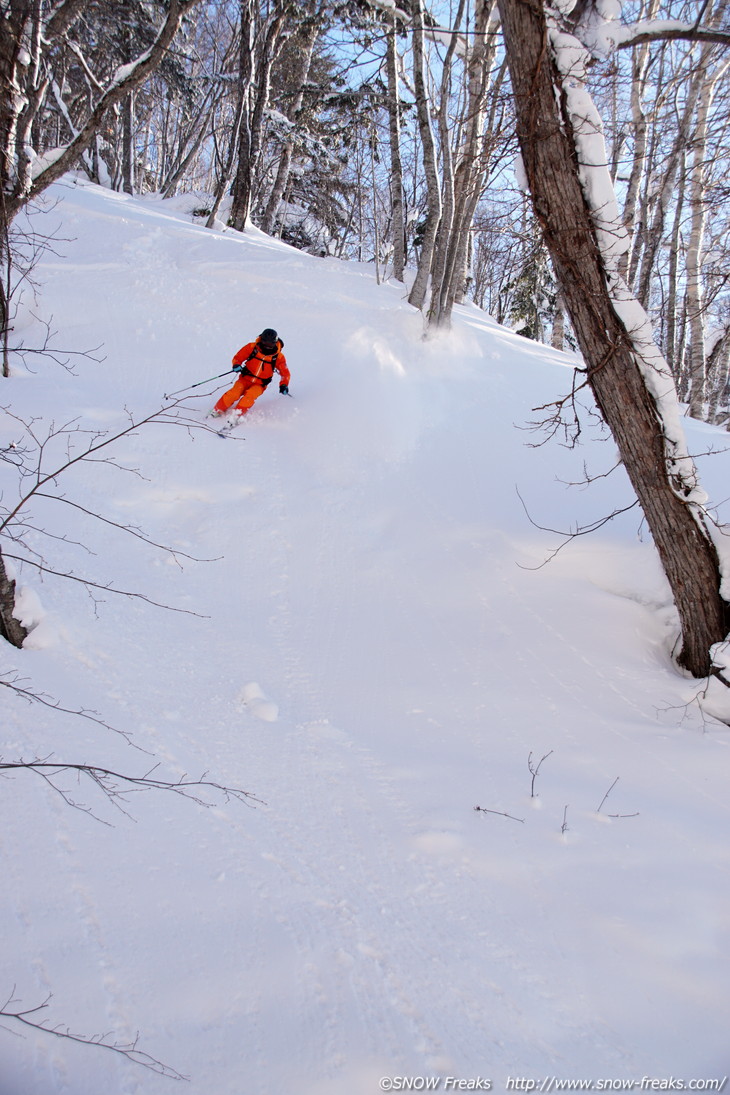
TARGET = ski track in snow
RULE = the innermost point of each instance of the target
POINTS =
(318, 763)
(363, 804)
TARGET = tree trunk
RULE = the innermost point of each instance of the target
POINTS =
(670, 312)
(695, 250)
(472, 166)
(10, 628)
(183, 159)
(128, 164)
(717, 371)
(671, 167)
(557, 337)
(638, 117)
(446, 220)
(433, 190)
(547, 143)
(252, 125)
(306, 39)
(227, 168)
(12, 29)
(397, 204)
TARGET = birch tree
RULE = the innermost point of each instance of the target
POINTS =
(419, 288)
(640, 125)
(471, 162)
(307, 31)
(260, 42)
(695, 249)
(397, 203)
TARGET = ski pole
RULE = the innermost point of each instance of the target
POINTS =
(169, 395)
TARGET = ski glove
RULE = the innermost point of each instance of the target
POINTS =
(283, 389)
(237, 368)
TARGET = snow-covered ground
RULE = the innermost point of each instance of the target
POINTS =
(371, 646)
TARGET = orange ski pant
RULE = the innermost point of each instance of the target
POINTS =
(244, 393)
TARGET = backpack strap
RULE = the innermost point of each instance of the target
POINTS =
(264, 381)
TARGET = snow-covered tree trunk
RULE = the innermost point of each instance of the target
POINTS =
(565, 163)
(240, 152)
(640, 127)
(255, 104)
(240, 119)
(698, 207)
(672, 350)
(128, 155)
(557, 337)
(10, 628)
(13, 54)
(448, 199)
(718, 360)
(189, 146)
(471, 166)
(671, 167)
(470, 182)
(419, 288)
(397, 203)
(306, 40)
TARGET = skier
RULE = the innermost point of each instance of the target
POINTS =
(255, 363)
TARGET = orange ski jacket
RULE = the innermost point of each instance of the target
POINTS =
(261, 366)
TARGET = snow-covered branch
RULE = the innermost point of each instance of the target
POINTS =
(663, 30)
(124, 80)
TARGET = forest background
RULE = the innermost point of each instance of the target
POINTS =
(307, 114)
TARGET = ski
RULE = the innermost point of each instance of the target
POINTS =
(228, 424)
(228, 428)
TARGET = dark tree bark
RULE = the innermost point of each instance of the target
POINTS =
(10, 628)
(419, 288)
(128, 164)
(306, 37)
(548, 149)
(255, 88)
(396, 168)
(471, 165)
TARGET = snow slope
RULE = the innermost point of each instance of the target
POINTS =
(371, 646)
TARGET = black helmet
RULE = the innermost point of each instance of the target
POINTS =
(268, 337)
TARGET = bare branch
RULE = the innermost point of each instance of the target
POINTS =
(499, 813)
(105, 587)
(535, 768)
(580, 530)
(117, 786)
(15, 685)
(102, 441)
(26, 1017)
(80, 446)
(608, 792)
(130, 529)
